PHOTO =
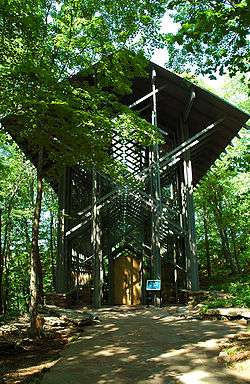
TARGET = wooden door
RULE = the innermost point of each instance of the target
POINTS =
(127, 280)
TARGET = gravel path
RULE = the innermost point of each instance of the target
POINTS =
(137, 346)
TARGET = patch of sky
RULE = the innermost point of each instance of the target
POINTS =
(160, 56)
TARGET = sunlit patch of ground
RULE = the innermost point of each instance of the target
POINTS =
(136, 345)
(25, 375)
(147, 345)
(241, 369)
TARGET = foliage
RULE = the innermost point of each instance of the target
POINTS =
(235, 91)
(239, 294)
(213, 36)
(223, 197)
(222, 204)
(49, 49)
(17, 193)
(64, 65)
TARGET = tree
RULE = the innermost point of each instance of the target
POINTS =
(16, 201)
(222, 213)
(18, 187)
(44, 44)
(222, 203)
(235, 91)
(212, 36)
(36, 276)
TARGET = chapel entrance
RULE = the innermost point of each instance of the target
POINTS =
(127, 280)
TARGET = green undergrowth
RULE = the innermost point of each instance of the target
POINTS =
(231, 351)
(237, 294)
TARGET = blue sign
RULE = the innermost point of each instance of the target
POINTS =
(153, 285)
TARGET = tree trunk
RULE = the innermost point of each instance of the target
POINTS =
(40, 280)
(1, 265)
(218, 214)
(36, 271)
(233, 263)
(5, 253)
(207, 248)
(7, 273)
(27, 235)
(225, 247)
(3, 244)
(235, 249)
(52, 253)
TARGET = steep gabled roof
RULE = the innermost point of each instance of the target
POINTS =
(172, 101)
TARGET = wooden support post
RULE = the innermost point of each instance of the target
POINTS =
(155, 244)
(77, 276)
(63, 270)
(180, 243)
(143, 282)
(188, 216)
(156, 194)
(143, 266)
(110, 276)
(175, 269)
(96, 242)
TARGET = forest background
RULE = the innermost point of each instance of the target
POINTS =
(222, 198)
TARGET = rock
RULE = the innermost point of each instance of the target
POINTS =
(245, 313)
(233, 313)
(242, 321)
(54, 321)
(199, 306)
(194, 297)
(223, 357)
(213, 312)
(240, 356)
(67, 318)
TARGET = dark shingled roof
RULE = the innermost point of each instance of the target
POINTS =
(171, 103)
(206, 109)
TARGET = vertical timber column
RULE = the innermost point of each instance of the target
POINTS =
(179, 241)
(144, 258)
(155, 192)
(110, 277)
(96, 242)
(110, 266)
(63, 267)
(189, 218)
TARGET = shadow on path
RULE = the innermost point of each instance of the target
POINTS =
(145, 346)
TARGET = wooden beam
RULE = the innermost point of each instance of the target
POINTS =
(96, 243)
(188, 216)
(156, 194)
(63, 273)
(189, 105)
(151, 94)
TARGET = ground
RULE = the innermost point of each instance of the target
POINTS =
(127, 345)
(148, 345)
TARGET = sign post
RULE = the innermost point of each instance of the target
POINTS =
(153, 286)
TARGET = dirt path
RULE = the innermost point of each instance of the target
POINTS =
(145, 346)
